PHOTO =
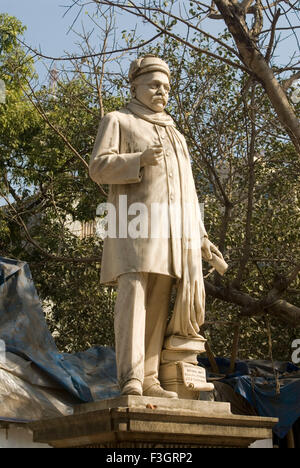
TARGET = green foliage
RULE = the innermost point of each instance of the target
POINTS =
(18, 122)
(78, 311)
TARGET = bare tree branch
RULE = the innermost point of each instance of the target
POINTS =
(272, 39)
(286, 84)
(84, 57)
(256, 62)
(287, 312)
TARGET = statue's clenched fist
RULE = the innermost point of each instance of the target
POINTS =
(152, 156)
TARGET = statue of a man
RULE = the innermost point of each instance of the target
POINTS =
(145, 160)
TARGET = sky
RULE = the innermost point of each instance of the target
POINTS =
(47, 27)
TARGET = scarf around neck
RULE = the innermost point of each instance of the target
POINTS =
(157, 118)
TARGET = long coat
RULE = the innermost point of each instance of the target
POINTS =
(121, 140)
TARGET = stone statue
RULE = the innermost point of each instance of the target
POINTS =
(145, 160)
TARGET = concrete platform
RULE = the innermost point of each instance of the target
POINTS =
(145, 422)
(203, 408)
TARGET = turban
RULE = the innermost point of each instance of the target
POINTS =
(147, 64)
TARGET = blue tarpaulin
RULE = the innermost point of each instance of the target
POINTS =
(87, 376)
(91, 375)
(274, 391)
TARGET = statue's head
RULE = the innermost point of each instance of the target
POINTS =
(149, 77)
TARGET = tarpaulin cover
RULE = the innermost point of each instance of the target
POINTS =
(85, 377)
(257, 383)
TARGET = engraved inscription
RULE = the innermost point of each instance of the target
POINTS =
(193, 376)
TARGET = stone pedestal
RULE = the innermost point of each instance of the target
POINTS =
(142, 422)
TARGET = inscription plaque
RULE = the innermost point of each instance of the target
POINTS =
(194, 377)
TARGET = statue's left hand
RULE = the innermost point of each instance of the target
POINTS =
(208, 249)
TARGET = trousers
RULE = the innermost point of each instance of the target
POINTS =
(140, 321)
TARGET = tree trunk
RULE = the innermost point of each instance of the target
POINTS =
(259, 67)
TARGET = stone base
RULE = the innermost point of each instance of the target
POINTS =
(187, 380)
(145, 422)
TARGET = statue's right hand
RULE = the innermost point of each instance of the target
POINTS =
(152, 156)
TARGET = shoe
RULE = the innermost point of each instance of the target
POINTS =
(132, 387)
(158, 392)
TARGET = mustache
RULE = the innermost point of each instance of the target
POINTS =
(160, 98)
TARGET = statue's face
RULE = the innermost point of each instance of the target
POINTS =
(152, 89)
